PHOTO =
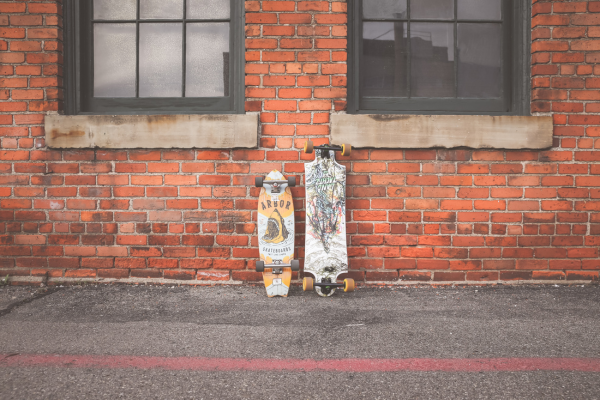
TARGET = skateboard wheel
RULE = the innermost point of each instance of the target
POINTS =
(346, 149)
(349, 285)
(292, 181)
(260, 266)
(308, 147)
(258, 181)
(295, 265)
(307, 284)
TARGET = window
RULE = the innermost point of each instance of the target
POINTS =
(154, 56)
(439, 57)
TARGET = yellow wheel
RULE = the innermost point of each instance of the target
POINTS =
(349, 285)
(346, 149)
(308, 147)
(307, 284)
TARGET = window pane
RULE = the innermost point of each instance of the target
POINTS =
(384, 8)
(202, 9)
(479, 60)
(114, 60)
(207, 59)
(432, 59)
(160, 60)
(114, 9)
(384, 59)
(432, 9)
(480, 9)
(165, 9)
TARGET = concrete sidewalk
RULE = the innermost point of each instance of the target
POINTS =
(462, 324)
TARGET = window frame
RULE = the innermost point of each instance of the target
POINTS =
(516, 63)
(78, 74)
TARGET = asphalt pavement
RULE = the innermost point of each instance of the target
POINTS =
(261, 346)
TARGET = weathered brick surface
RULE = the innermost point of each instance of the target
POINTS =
(413, 215)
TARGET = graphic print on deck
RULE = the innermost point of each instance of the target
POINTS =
(276, 230)
(326, 255)
(276, 224)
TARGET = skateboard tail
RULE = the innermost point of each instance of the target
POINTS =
(277, 284)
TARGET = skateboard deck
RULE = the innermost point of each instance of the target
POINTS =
(276, 233)
(326, 255)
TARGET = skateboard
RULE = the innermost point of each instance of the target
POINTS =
(326, 255)
(276, 233)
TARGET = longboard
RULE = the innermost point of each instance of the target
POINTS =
(326, 254)
(276, 233)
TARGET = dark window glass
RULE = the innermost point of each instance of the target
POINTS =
(384, 8)
(384, 59)
(480, 9)
(431, 9)
(479, 60)
(437, 55)
(432, 59)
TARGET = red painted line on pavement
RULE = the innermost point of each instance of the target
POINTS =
(335, 365)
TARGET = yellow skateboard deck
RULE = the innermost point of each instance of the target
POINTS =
(276, 233)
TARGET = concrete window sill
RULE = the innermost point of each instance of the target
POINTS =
(426, 131)
(152, 131)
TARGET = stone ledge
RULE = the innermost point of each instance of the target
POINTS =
(448, 131)
(152, 131)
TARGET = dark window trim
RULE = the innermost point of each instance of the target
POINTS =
(76, 101)
(517, 61)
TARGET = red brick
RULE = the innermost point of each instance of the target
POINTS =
(313, 6)
(278, 5)
(333, 68)
(295, 18)
(296, 43)
(314, 105)
(278, 31)
(322, 93)
(285, 93)
(261, 43)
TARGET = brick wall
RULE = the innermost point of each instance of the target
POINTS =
(414, 215)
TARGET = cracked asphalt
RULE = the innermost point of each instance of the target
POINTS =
(241, 322)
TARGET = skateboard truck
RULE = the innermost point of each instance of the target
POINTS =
(277, 268)
(309, 283)
(275, 185)
(309, 147)
(325, 284)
